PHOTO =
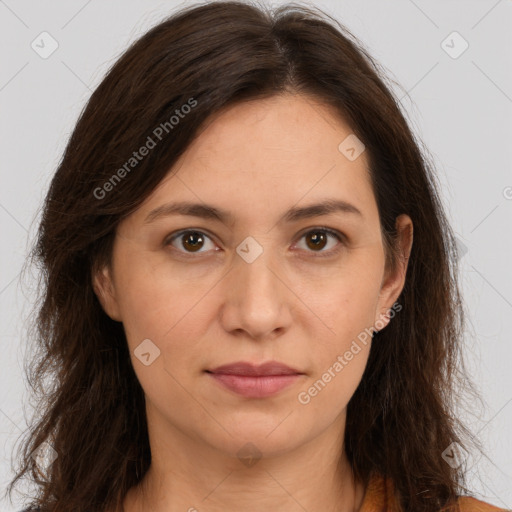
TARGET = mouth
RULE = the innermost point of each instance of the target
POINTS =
(255, 381)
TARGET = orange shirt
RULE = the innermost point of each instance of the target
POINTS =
(379, 498)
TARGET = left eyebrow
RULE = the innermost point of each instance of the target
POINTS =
(210, 212)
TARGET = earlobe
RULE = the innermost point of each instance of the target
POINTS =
(383, 320)
(104, 289)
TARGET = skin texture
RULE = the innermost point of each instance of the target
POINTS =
(208, 307)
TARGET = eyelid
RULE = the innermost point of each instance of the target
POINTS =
(341, 237)
(331, 231)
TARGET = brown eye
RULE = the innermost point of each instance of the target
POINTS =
(191, 241)
(317, 239)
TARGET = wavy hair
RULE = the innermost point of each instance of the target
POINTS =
(90, 405)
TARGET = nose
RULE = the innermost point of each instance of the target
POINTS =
(257, 297)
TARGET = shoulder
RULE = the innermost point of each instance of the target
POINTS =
(470, 504)
(379, 495)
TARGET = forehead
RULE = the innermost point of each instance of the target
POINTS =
(262, 155)
(287, 123)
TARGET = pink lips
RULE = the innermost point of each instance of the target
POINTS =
(255, 381)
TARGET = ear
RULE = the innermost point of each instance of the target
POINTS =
(103, 287)
(394, 281)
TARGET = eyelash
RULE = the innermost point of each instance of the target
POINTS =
(322, 254)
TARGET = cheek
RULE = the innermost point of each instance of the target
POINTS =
(341, 333)
(159, 318)
(340, 344)
(344, 304)
(152, 295)
(166, 307)
(326, 395)
(165, 303)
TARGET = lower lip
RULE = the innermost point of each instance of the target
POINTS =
(255, 387)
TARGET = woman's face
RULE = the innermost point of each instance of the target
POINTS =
(263, 284)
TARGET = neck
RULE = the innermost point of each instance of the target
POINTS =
(187, 476)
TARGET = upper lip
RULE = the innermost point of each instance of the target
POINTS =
(244, 368)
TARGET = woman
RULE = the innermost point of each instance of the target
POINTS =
(250, 297)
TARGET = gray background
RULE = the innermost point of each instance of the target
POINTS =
(460, 107)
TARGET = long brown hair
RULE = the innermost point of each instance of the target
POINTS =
(91, 407)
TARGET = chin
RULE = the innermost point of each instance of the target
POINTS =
(258, 440)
